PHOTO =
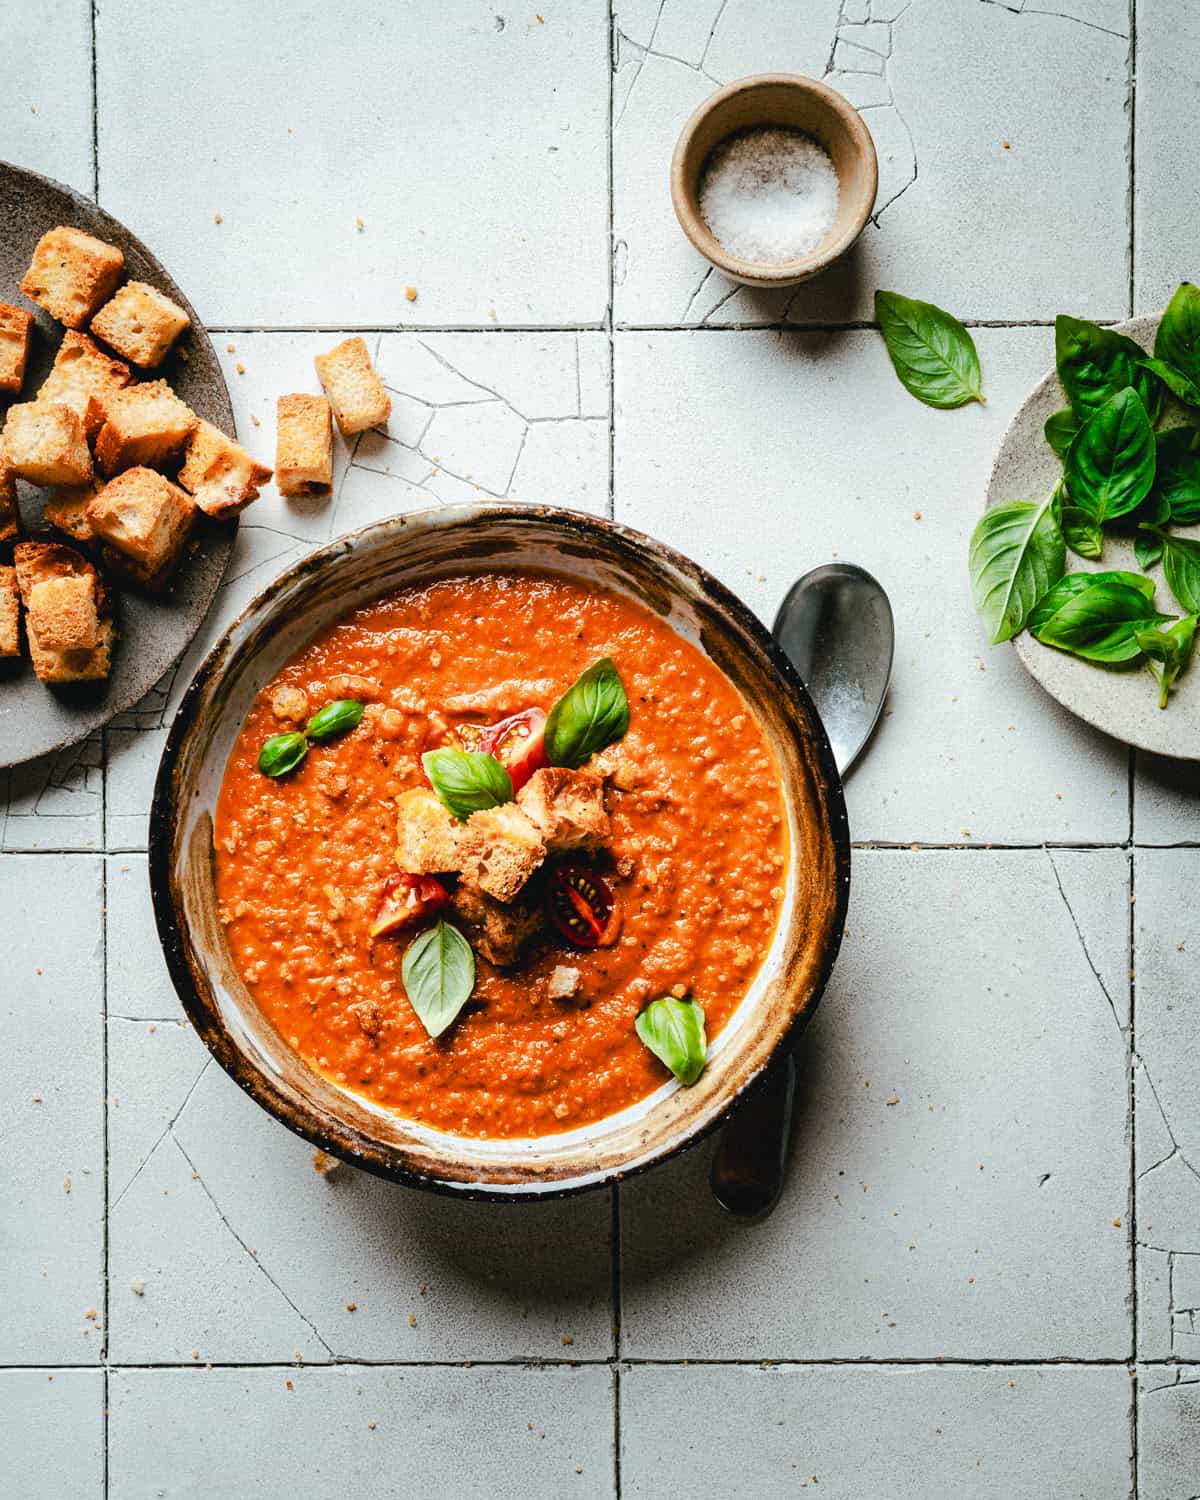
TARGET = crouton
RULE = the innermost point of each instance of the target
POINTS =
(290, 702)
(10, 516)
(221, 477)
(46, 444)
(496, 931)
(143, 425)
(71, 274)
(355, 392)
(427, 834)
(563, 983)
(66, 510)
(40, 563)
(567, 808)
(62, 612)
(83, 378)
(10, 608)
(16, 331)
(499, 850)
(144, 517)
(303, 445)
(140, 323)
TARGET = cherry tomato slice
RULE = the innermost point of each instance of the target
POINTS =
(407, 899)
(519, 744)
(583, 907)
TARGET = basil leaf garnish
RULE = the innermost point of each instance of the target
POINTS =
(1060, 429)
(1175, 381)
(1110, 464)
(439, 974)
(338, 717)
(1017, 552)
(1172, 649)
(1095, 363)
(282, 753)
(1080, 532)
(1177, 342)
(1100, 620)
(1075, 583)
(467, 781)
(931, 351)
(674, 1032)
(1181, 567)
(1177, 474)
(592, 713)
(1147, 549)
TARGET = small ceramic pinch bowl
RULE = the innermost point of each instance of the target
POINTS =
(789, 101)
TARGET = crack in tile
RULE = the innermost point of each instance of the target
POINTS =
(163, 1134)
(1083, 944)
(1023, 8)
(1166, 1124)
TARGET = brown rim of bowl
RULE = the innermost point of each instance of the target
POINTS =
(367, 1153)
(685, 181)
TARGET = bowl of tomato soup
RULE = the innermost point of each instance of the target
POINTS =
(497, 849)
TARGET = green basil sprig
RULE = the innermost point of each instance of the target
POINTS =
(282, 753)
(1017, 553)
(1095, 363)
(1084, 536)
(1177, 345)
(1181, 567)
(1060, 430)
(467, 781)
(674, 1031)
(338, 717)
(1177, 475)
(592, 713)
(1077, 583)
(932, 353)
(1179, 385)
(1109, 466)
(1098, 620)
(438, 971)
(1171, 649)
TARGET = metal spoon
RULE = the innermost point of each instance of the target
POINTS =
(835, 625)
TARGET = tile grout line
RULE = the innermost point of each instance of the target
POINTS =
(649, 1362)
(1135, 1319)
(106, 1301)
(95, 117)
(610, 325)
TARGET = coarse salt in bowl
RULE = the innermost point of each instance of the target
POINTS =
(769, 194)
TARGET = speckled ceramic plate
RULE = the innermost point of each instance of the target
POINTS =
(1122, 702)
(34, 718)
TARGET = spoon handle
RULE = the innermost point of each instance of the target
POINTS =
(747, 1170)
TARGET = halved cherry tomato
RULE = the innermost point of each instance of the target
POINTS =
(583, 907)
(407, 899)
(519, 744)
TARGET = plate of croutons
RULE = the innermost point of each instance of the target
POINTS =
(121, 477)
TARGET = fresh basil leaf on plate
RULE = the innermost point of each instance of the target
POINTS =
(282, 753)
(592, 713)
(1100, 620)
(1171, 649)
(1095, 363)
(1077, 583)
(1177, 474)
(338, 717)
(1176, 382)
(1181, 567)
(1147, 549)
(1060, 429)
(1084, 536)
(932, 353)
(1017, 552)
(1110, 464)
(1177, 342)
(438, 971)
(674, 1031)
(467, 781)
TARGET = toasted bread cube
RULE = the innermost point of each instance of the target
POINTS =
(46, 444)
(10, 609)
(16, 332)
(144, 425)
(62, 613)
(66, 510)
(83, 378)
(71, 274)
(221, 476)
(355, 392)
(140, 323)
(303, 445)
(38, 563)
(73, 666)
(564, 982)
(10, 516)
(143, 516)
(567, 808)
(497, 931)
(427, 834)
(499, 850)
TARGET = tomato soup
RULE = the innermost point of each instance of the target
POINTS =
(695, 856)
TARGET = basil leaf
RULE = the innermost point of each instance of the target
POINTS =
(1077, 583)
(1176, 382)
(1181, 567)
(1177, 342)
(1095, 363)
(1083, 535)
(1017, 552)
(338, 717)
(674, 1032)
(592, 713)
(931, 352)
(467, 781)
(1172, 648)
(282, 753)
(1060, 429)
(1177, 476)
(1110, 465)
(439, 974)
(1147, 549)
(1100, 621)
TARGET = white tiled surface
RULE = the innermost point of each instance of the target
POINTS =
(984, 1278)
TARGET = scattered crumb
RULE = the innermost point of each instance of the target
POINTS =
(412, 1320)
(289, 1385)
(1007, 145)
(893, 1099)
(33, 109)
(324, 1164)
(966, 833)
(37, 1098)
(240, 368)
(371, 1426)
(195, 1354)
(566, 1339)
(1116, 1223)
(67, 1183)
(216, 218)
(359, 225)
(411, 293)
(230, 348)
(138, 1288)
(90, 1314)
(916, 515)
(351, 1306)
(255, 420)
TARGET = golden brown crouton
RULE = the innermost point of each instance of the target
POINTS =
(83, 378)
(140, 323)
(46, 444)
(62, 613)
(499, 850)
(290, 702)
(146, 424)
(66, 509)
(16, 330)
(303, 445)
(71, 274)
(355, 392)
(567, 807)
(427, 834)
(496, 931)
(144, 517)
(220, 475)
(10, 635)
(38, 563)
(10, 516)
